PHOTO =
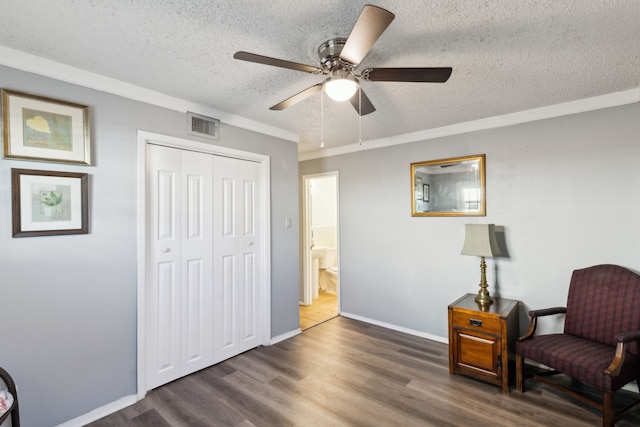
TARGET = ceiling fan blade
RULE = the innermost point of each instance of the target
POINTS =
(371, 23)
(425, 75)
(367, 106)
(266, 60)
(297, 97)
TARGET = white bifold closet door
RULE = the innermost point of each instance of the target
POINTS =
(203, 261)
(237, 257)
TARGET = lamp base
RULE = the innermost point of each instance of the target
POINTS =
(483, 298)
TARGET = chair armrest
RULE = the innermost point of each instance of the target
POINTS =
(533, 319)
(628, 336)
(547, 311)
(621, 349)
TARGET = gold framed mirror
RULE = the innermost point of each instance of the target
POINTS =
(449, 187)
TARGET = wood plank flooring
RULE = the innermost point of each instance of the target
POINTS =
(348, 373)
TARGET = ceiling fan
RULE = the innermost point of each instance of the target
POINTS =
(339, 57)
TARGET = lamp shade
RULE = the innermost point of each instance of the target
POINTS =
(480, 240)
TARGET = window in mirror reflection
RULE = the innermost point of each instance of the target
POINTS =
(449, 187)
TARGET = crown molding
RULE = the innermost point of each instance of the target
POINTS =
(45, 67)
(48, 68)
(574, 107)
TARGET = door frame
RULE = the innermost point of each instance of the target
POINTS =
(264, 303)
(305, 293)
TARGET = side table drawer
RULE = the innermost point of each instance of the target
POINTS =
(476, 322)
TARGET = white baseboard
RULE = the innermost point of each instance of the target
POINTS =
(285, 336)
(101, 412)
(431, 337)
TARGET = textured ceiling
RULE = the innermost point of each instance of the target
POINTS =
(507, 55)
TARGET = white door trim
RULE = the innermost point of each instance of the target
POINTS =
(145, 138)
(305, 296)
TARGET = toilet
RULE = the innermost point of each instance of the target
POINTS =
(328, 259)
(329, 263)
(331, 280)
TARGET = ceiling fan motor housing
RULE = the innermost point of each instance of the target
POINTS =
(329, 53)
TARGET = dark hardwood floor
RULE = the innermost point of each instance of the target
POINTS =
(347, 373)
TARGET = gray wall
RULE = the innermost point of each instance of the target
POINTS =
(68, 303)
(564, 191)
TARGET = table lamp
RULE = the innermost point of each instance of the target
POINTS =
(480, 240)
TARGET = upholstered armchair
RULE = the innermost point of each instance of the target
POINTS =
(600, 343)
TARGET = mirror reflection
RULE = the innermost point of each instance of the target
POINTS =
(448, 187)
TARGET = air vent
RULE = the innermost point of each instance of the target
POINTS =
(203, 126)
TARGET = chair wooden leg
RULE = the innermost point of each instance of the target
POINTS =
(520, 373)
(608, 409)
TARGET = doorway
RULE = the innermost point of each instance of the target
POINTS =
(320, 293)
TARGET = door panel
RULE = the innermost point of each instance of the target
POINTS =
(196, 246)
(249, 210)
(226, 303)
(195, 348)
(166, 205)
(163, 267)
(249, 310)
(165, 292)
(236, 256)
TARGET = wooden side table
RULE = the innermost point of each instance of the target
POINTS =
(482, 339)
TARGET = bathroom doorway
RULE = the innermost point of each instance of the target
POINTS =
(320, 292)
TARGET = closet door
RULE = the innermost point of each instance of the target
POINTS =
(179, 265)
(204, 261)
(196, 262)
(237, 256)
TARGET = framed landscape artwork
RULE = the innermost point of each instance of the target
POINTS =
(47, 203)
(44, 129)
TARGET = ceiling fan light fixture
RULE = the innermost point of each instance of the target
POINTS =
(340, 57)
(341, 86)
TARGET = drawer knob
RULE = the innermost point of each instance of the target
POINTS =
(475, 322)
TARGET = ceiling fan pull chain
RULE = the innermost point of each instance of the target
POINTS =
(360, 115)
(322, 119)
